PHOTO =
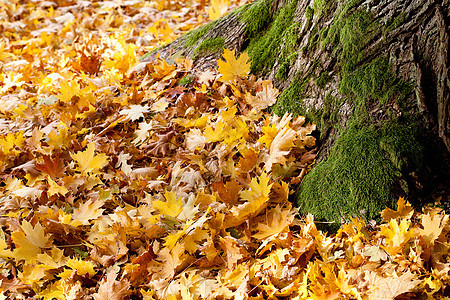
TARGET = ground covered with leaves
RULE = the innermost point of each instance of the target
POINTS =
(128, 180)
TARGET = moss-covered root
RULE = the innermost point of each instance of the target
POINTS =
(271, 37)
(358, 177)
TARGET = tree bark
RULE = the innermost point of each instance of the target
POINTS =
(373, 75)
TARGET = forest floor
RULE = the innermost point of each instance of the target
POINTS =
(129, 180)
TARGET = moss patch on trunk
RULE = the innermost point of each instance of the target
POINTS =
(358, 178)
(209, 46)
(271, 38)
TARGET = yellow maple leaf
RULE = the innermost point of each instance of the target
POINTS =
(53, 291)
(280, 147)
(69, 89)
(256, 198)
(4, 54)
(55, 188)
(89, 210)
(4, 252)
(55, 260)
(216, 133)
(9, 141)
(112, 289)
(278, 220)
(269, 133)
(171, 207)
(31, 274)
(29, 242)
(392, 286)
(397, 235)
(232, 67)
(218, 8)
(190, 235)
(188, 123)
(148, 295)
(87, 161)
(432, 227)
(81, 266)
(404, 210)
(60, 138)
(172, 239)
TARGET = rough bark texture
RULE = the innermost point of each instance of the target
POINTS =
(373, 75)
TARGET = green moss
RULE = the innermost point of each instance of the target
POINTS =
(193, 36)
(328, 116)
(150, 53)
(323, 7)
(283, 71)
(313, 41)
(309, 13)
(323, 79)
(209, 46)
(257, 17)
(290, 99)
(395, 22)
(366, 83)
(186, 80)
(374, 82)
(285, 67)
(279, 40)
(319, 6)
(360, 173)
(346, 16)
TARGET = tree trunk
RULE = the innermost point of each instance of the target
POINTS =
(373, 75)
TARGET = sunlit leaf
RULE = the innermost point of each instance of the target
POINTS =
(87, 161)
(232, 67)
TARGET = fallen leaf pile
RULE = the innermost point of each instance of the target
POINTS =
(128, 180)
